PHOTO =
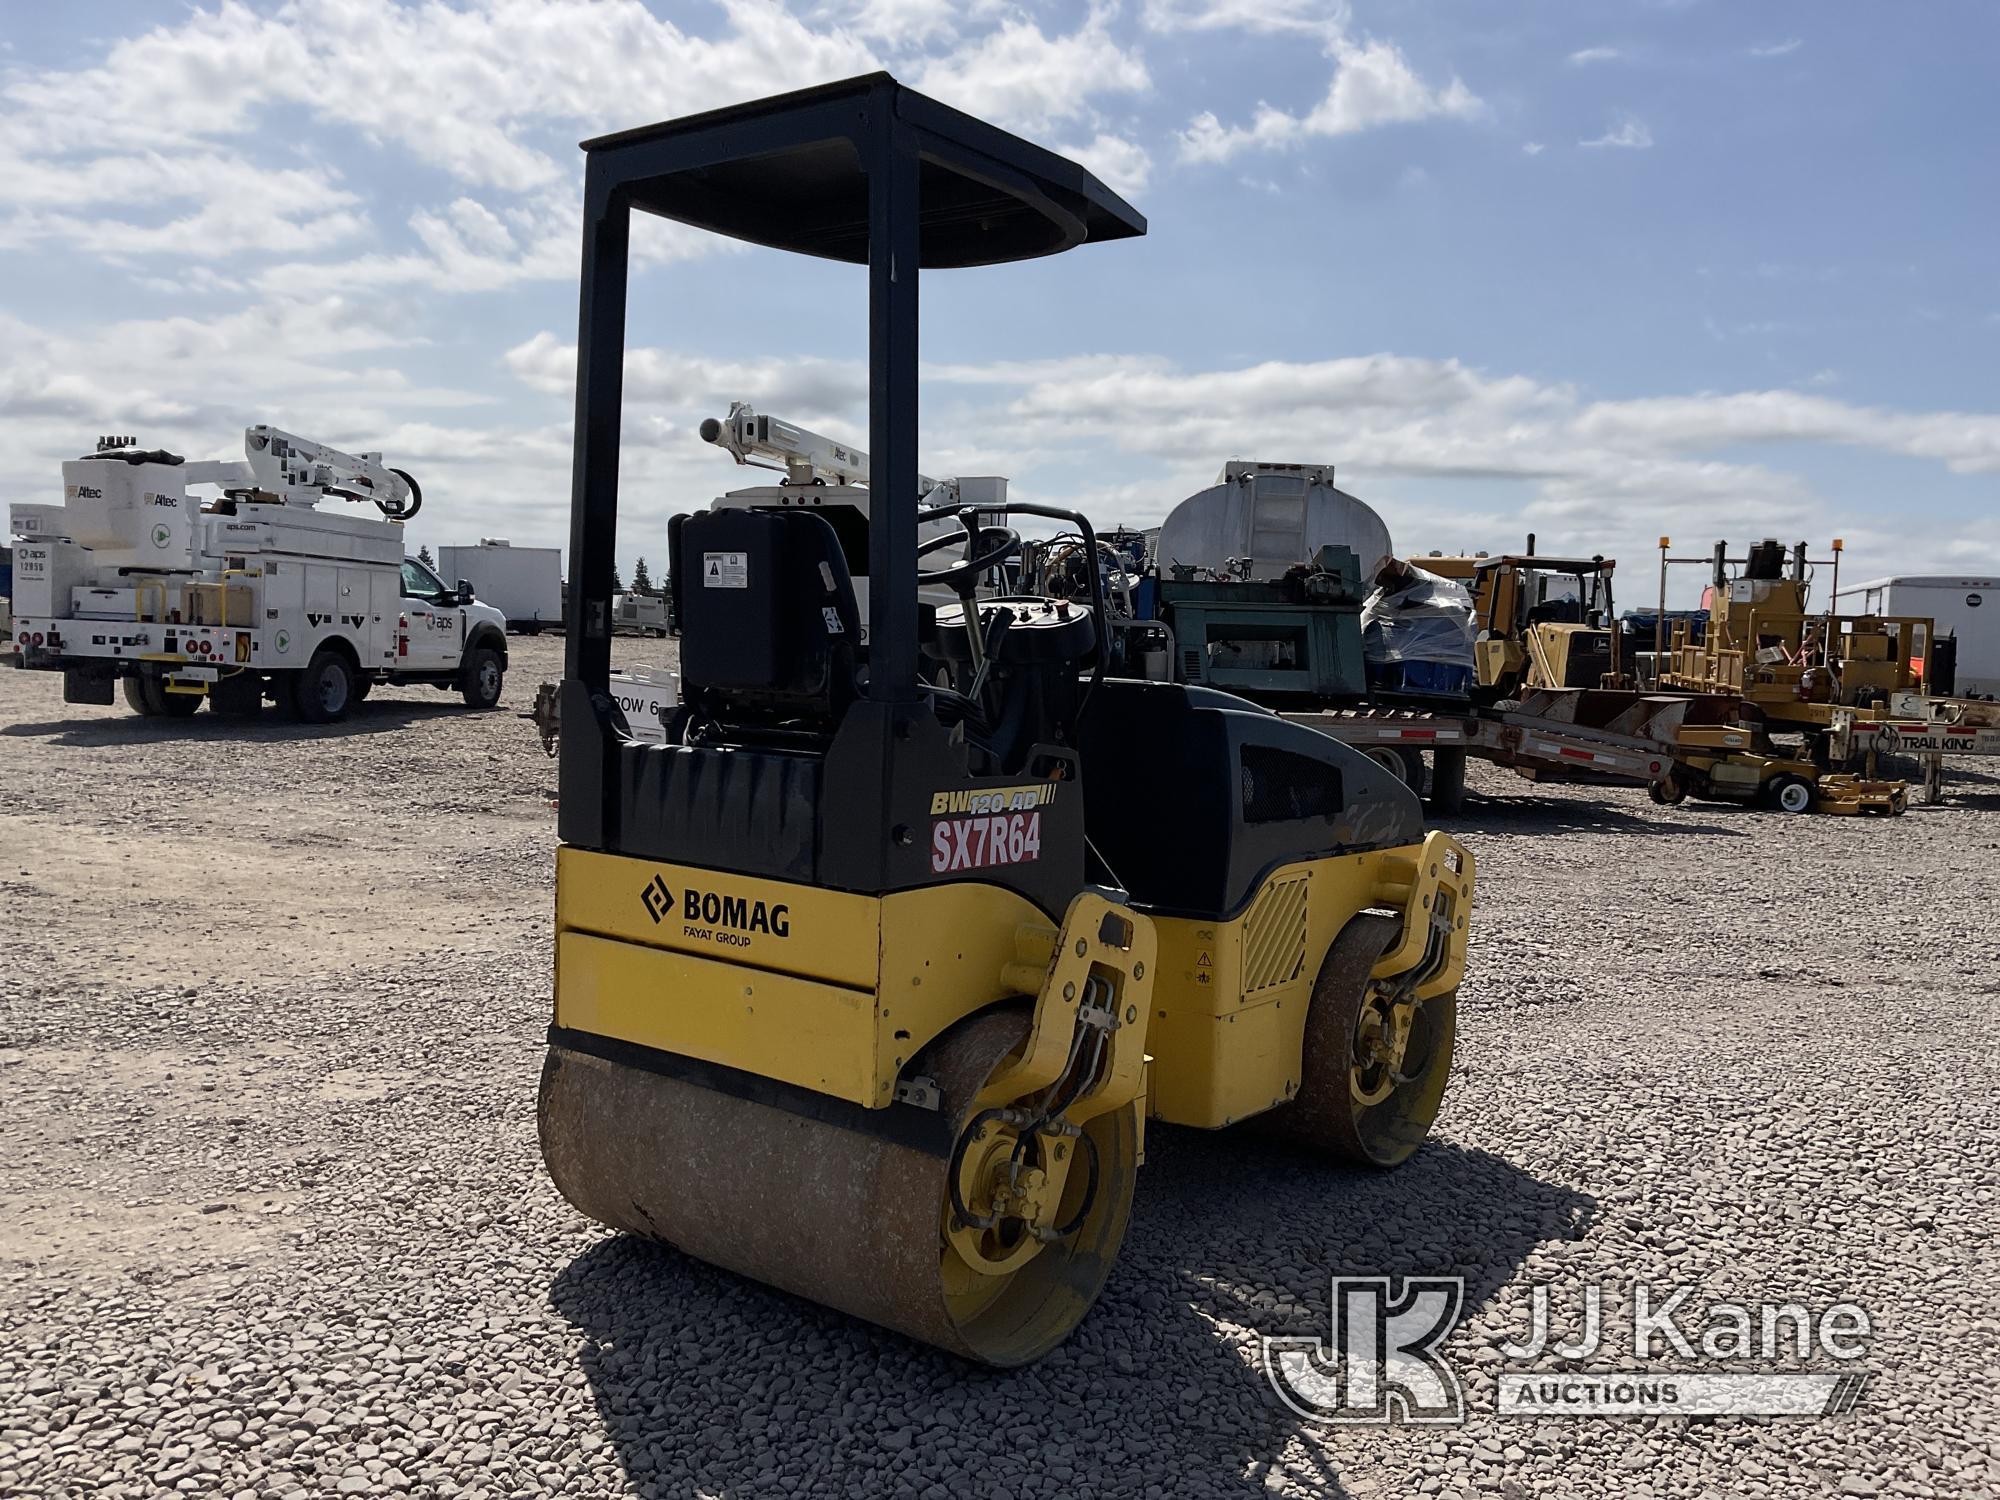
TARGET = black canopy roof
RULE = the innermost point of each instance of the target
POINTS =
(788, 172)
(1536, 562)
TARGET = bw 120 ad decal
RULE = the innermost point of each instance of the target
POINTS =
(977, 828)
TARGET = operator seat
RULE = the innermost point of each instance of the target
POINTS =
(770, 628)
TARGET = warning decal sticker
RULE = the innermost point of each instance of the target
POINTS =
(725, 570)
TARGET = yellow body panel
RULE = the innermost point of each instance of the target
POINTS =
(825, 989)
(945, 952)
(836, 992)
(818, 1036)
(1230, 1002)
(803, 930)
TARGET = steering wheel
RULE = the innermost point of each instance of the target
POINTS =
(987, 547)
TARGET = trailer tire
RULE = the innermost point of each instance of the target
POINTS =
(482, 679)
(138, 699)
(1406, 765)
(1792, 794)
(176, 705)
(324, 691)
(1447, 779)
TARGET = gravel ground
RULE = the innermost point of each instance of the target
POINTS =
(272, 1219)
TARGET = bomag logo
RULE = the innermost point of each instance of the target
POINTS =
(715, 915)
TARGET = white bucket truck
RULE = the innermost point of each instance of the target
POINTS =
(253, 594)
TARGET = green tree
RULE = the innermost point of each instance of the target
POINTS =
(642, 581)
(424, 555)
(617, 582)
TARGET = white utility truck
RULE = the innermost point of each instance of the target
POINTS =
(523, 583)
(253, 594)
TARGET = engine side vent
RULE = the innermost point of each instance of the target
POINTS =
(1274, 935)
(1281, 785)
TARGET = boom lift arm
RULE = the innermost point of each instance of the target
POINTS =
(283, 468)
(806, 456)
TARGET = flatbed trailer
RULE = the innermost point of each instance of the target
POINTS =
(1567, 735)
(1670, 743)
(1930, 730)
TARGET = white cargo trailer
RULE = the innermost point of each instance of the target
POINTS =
(639, 614)
(1962, 605)
(523, 583)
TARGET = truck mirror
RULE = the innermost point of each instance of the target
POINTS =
(465, 594)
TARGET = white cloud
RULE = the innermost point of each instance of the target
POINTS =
(215, 205)
(491, 94)
(193, 384)
(1584, 57)
(1629, 134)
(1373, 84)
(1326, 18)
(904, 24)
(798, 388)
(1778, 49)
(1023, 79)
(1965, 442)
(1597, 474)
(1533, 148)
(1122, 165)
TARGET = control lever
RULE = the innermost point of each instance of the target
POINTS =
(1003, 621)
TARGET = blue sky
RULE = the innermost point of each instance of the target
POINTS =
(1601, 271)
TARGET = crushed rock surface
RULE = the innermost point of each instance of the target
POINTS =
(273, 1221)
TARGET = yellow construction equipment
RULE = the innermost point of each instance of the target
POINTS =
(869, 978)
(1765, 645)
(1738, 763)
(1539, 621)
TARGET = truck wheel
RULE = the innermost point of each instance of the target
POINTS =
(147, 694)
(481, 682)
(138, 699)
(322, 693)
(1448, 779)
(361, 687)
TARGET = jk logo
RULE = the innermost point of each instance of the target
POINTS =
(657, 899)
(1381, 1364)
